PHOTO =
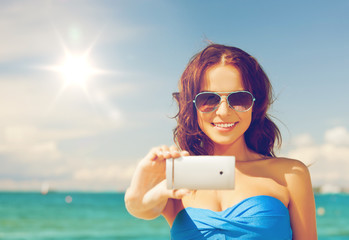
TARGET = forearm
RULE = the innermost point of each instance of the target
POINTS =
(144, 206)
(145, 197)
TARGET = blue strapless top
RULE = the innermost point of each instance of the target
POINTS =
(259, 217)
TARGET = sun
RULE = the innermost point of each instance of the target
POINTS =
(76, 70)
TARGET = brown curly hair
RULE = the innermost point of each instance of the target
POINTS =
(262, 134)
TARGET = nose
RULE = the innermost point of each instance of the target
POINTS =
(223, 108)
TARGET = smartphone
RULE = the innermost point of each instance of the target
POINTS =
(201, 172)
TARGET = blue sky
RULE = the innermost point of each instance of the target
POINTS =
(92, 138)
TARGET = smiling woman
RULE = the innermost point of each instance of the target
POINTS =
(223, 99)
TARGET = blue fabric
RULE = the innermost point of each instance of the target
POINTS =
(259, 217)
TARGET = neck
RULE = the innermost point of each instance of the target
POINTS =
(238, 149)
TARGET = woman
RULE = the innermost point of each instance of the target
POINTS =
(223, 100)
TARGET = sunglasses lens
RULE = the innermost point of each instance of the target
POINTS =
(241, 101)
(207, 102)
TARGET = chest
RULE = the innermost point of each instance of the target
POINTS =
(259, 217)
(248, 184)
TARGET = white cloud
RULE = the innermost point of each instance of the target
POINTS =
(23, 31)
(31, 101)
(328, 160)
(18, 185)
(337, 136)
(108, 175)
(113, 172)
(33, 127)
(302, 140)
(38, 27)
(27, 144)
(46, 163)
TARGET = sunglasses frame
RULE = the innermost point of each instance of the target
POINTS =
(227, 96)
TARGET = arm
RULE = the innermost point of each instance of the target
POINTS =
(302, 203)
(147, 195)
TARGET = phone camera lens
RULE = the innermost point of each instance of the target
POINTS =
(221, 172)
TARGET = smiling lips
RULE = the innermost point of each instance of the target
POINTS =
(224, 126)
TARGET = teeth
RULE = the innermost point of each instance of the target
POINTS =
(224, 125)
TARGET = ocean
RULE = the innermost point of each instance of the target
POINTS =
(74, 215)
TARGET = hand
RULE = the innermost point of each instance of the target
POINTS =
(156, 161)
(148, 195)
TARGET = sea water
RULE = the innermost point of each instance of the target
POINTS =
(72, 215)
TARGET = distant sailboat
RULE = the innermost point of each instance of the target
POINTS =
(45, 188)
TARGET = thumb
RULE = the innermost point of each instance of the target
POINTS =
(179, 193)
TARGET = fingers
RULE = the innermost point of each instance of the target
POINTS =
(165, 152)
(174, 152)
(157, 153)
(185, 153)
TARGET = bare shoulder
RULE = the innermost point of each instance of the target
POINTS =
(290, 173)
(288, 162)
(296, 175)
(301, 198)
(292, 168)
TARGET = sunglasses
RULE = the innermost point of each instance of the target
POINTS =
(240, 101)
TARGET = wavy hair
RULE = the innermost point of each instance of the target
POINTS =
(262, 134)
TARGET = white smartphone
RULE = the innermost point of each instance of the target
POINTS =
(201, 172)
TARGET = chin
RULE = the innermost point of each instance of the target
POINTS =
(228, 142)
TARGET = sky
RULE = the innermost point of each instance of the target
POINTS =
(89, 135)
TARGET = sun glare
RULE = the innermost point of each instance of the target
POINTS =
(76, 70)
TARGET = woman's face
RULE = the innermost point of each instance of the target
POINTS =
(224, 126)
